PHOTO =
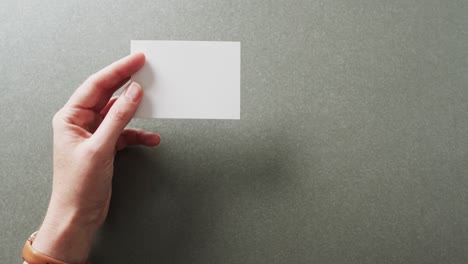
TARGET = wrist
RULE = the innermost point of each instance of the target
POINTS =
(64, 236)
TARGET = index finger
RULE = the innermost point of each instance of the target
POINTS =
(96, 91)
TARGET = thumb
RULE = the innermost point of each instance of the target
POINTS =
(119, 115)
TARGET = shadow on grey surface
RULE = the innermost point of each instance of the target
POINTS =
(165, 202)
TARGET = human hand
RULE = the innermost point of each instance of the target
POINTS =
(88, 131)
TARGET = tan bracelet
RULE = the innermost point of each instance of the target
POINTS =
(32, 256)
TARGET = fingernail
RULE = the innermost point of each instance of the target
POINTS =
(133, 92)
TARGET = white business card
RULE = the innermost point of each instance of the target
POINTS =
(189, 79)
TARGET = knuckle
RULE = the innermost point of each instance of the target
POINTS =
(121, 73)
(91, 150)
(119, 114)
(57, 118)
(92, 80)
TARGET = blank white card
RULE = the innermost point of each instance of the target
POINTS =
(189, 79)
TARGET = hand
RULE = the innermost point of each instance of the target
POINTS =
(88, 131)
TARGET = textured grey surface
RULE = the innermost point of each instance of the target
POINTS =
(352, 147)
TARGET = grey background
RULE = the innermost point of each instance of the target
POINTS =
(352, 147)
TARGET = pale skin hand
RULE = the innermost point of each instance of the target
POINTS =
(88, 131)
